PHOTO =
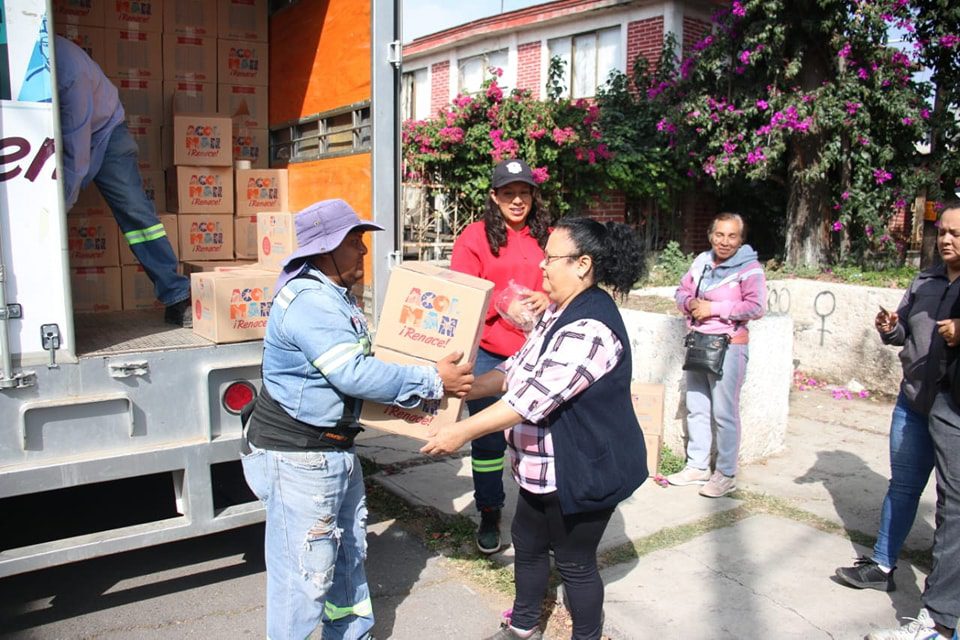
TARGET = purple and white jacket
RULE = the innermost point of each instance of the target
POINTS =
(736, 289)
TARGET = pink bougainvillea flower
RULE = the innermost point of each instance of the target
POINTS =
(881, 175)
(762, 105)
(838, 226)
(540, 175)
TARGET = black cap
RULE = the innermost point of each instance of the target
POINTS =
(512, 171)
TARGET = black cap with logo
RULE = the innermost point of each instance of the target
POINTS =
(512, 171)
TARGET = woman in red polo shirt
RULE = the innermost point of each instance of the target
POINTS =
(506, 245)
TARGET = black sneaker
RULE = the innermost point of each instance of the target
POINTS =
(488, 535)
(867, 574)
(506, 633)
(180, 314)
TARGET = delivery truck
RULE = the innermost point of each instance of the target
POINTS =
(118, 431)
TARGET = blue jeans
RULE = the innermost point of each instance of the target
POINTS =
(120, 185)
(911, 461)
(315, 543)
(709, 397)
(486, 452)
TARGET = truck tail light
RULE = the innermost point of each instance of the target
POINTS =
(237, 395)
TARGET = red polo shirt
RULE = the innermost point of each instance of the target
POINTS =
(519, 260)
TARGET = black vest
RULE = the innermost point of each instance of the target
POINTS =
(598, 446)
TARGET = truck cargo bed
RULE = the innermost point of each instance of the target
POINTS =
(103, 334)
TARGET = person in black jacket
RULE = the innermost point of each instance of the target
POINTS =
(575, 446)
(937, 620)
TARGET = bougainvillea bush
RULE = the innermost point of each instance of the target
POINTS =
(560, 139)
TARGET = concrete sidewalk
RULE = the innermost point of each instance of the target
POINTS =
(754, 565)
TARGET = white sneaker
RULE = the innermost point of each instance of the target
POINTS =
(919, 628)
(689, 475)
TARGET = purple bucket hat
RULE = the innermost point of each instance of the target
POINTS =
(321, 228)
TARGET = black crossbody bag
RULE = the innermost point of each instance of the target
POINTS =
(705, 352)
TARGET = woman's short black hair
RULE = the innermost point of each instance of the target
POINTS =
(619, 258)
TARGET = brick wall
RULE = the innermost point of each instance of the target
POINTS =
(693, 32)
(439, 86)
(611, 206)
(698, 209)
(528, 68)
(644, 38)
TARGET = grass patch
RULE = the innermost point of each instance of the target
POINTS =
(670, 462)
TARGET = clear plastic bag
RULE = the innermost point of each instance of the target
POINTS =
(509, 304)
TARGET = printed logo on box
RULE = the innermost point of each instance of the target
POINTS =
(203, 141)
(428, 318)
(88, 241)
(75, 7)
(206, 236)
(250, 307)
(262, 192)
(134, 10)
(243, 61)
(205, 190)
(425, 414)
(245, 148)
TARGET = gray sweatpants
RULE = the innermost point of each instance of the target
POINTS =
(941, 595)
(708, 397)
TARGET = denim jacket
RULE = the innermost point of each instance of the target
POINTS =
(316, 352)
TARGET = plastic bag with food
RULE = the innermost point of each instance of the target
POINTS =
(511, 307)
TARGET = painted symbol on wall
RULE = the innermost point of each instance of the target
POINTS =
(778, 300)
(824, 305)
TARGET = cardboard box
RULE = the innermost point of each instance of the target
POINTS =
(231, 306)
(154, 187)
(261, 190)
(276, 238)
(200, 190)
(132, 54)
(429, 311)
(246, 104)
(137, 289)
(242, 62)
(202, 140)
(190, 57)
(170, 226)
(147, 137)
(87, 13)
(134, 15)
(92, 241)
(420, 422)
(205, 237)
(648, 405)
(251, 144)
(245, 236)
(187, 97)
(90, 203)
(96, 289)
(90, 39)
(142, 99)
(190, 17)
(201, 266)
(243, 20)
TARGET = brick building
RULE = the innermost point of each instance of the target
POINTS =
(593, 37)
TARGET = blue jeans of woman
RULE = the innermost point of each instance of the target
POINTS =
(717, 398)
(120, 185)
(315, 543)
(486, 452)
(911, 461)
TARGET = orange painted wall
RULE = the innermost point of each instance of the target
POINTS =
(320, 60)
(319, 57)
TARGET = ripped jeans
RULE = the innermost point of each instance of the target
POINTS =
(315, 543)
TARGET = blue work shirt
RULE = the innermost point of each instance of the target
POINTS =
(90, 110)
(317, 351)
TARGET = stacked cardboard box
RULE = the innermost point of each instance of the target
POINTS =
(648, 405)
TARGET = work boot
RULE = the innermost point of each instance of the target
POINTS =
(180, 314)
(488, 535)
(867, 574)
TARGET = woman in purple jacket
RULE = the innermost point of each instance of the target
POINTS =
(724, 289)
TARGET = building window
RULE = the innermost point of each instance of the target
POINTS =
(415, 95)
(589, 58)
(338, 132)
(475, 69)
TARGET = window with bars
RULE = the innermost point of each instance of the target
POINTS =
(338, 132)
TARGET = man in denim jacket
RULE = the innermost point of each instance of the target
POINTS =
(299, 458)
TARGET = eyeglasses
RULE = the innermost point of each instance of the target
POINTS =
(547, 258)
